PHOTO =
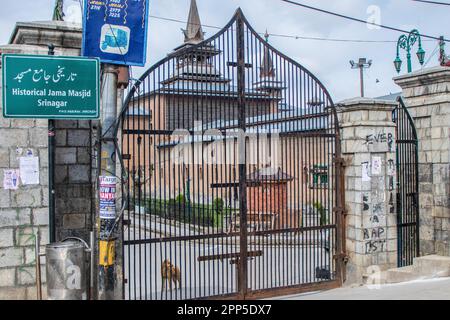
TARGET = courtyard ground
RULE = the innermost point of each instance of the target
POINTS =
(434, 289)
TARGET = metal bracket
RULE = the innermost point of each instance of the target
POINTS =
(340, 210)
(341, 256)
(235, 64)
(340, 161)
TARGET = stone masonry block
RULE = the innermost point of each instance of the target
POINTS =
(66, 124)
(78, 138)
(23, 198)
(26, 275)
(11, 257)
(7, 277)
(15, 217)
(13, 138)
(83, 156)
(26, 236)
(5, 198)
(22, 123)
(43, 157)
(84, 124)
(6, 237)
(40, 217)
(13, 293)
(66, 156)
(79, 173)
(38, 137)
(61, 138)
(44, 235)
(74, 205)
(4, 158)
(74, 221)
(61, 174)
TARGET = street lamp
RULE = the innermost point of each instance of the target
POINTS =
(406, 43)
(361, 65)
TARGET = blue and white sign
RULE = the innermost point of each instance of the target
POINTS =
(116, 31)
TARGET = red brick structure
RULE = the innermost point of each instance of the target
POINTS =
(267, 200)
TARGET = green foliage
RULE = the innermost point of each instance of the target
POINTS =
(218, 205)
(322, 212)
(181, 199)
(177, 209)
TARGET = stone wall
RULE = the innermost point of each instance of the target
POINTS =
(24, 212)
(427, 93)
(368, 149)
(73, 179)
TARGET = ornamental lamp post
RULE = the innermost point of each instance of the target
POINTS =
(406, 43)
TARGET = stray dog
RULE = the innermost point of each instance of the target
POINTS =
(170, 273)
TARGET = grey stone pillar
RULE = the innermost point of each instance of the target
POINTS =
(368, 148)
(427, 93)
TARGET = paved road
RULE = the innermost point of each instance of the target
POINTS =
(280, 265)
(435, 289)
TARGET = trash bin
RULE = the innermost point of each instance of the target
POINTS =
(66, 269)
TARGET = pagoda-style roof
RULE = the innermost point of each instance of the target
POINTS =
(269, 175)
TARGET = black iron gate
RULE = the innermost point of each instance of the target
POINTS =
(407, 186)
(235, 185)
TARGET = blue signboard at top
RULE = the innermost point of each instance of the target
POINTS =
(116, 31)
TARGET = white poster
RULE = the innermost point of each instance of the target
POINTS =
(29, 170)
(365, 172)
(11, 179)
(376, 166)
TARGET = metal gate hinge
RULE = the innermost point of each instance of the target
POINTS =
(341, 256)
(340, 161)
(340, 210)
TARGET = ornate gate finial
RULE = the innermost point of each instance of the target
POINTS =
(58, 12)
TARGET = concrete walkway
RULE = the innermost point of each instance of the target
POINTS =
(435, 289)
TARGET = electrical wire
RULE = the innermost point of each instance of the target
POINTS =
(296, 37)
(433, 2)
(357, 20)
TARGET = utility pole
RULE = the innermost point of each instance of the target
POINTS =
(107, 277)
(51, 169)
(361, 65)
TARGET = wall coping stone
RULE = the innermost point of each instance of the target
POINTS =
(423, 77)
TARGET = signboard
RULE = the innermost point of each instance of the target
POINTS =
(49, 87)
(116, 31)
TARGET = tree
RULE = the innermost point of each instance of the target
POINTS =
(58, 12)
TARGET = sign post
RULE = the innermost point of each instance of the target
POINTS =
(114, 31)
(49, 87)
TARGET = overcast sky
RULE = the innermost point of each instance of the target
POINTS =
(328, 60)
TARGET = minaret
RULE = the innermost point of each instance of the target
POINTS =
(196, 64)
(194, 33)
(267, 68)
(268, 78)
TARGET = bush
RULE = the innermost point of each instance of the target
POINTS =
(322, 213)
(218, 205)
(181, 199)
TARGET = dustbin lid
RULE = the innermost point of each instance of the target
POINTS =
(65, 244)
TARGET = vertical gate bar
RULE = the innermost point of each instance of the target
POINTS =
(138, 187)
(157, 175)
(240, 46)
(397, 165)
(147, 146)
(416, 190)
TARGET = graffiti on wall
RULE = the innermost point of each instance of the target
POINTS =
(380, 139)
(376, 201)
